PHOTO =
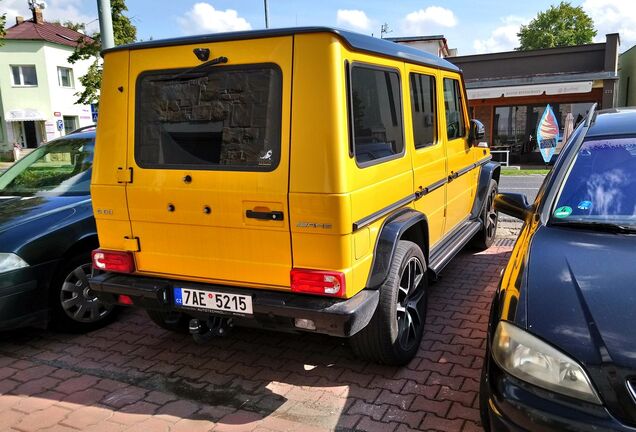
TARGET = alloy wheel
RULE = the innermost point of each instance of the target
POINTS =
(491, 215)
(411, 303)
(78, 301)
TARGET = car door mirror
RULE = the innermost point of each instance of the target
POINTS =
(477, 132)
(513, 204)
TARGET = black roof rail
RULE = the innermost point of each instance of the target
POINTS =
(355, 41)
(83, 128)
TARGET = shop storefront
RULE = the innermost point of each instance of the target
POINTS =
(509, 92)
(25, 127)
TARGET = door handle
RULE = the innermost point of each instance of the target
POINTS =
(264, 215)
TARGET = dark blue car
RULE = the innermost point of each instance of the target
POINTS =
(561, 348)
(47, 233)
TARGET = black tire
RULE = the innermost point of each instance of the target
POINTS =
(74, 307)
(393, 335)
(489, 217)
(483, 397)
(174, 321)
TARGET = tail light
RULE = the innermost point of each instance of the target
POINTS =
(319, 282)
(114, 261)
(124, 299)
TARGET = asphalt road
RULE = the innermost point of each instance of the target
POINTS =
(528, 185)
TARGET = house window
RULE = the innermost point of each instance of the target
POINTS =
(24, 75)
(65, 77)
(70, 124)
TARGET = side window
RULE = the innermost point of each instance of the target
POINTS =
(455, 122)
(375, 114)
(423, 110)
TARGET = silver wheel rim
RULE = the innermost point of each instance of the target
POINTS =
(410, 303)
(78, 301)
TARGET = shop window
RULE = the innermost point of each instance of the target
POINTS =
(515, 127)
(70, 124)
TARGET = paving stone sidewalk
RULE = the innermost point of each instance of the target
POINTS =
(134, 376)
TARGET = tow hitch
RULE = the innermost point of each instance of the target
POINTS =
(205, 331)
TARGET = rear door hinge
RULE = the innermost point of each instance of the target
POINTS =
(124, 175)
(132, 244)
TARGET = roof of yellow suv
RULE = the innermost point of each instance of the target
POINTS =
(356, 41)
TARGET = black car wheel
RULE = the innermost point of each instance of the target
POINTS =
(483, 396)
(489, 218)
(395, 331)
(75, 307)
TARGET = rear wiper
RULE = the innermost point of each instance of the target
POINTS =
(202, 66)
(597, 226)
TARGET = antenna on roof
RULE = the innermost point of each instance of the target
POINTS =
(37, 4)
(384, 29)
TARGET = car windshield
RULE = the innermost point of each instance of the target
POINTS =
(601, 185)
(62, 167)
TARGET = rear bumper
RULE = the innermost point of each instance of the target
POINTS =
(272, 309)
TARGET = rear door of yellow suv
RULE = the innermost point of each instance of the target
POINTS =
(209, 152)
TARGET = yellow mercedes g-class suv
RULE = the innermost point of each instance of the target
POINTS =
(304, 179)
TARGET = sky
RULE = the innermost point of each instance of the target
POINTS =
(477, 26)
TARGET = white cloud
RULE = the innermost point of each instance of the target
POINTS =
(503, 38)
(353, 18)
(56, 10)
(427, 21)
(613, 16)
(203, 18)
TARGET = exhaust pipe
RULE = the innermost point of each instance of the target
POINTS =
(204, 332)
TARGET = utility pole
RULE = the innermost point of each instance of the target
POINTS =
(266, 14)
(105, 23)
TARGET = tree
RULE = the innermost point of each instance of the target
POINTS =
(559, 26)
(78, 27)
(3, 22)
(123, 31)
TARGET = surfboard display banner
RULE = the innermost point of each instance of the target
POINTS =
(548, 134)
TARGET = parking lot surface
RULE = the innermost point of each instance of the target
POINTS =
(133, 375)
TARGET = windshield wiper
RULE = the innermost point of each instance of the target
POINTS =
(597, 226)
(207, 64)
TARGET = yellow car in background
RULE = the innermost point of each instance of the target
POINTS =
(305, 179)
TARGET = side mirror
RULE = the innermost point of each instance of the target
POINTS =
(513, 204)
(477, 132)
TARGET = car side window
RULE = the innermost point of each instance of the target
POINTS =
(376, 114)
(455, 122)
(423, 110)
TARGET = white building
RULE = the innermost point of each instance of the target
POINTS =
(431, 44)
(38, 84)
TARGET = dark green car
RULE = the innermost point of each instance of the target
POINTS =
(47, 233)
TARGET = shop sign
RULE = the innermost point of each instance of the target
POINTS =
(548, 134)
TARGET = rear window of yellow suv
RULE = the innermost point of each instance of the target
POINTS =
(223, 118)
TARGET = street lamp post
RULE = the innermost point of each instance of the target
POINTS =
(266, 15)
(105, 23)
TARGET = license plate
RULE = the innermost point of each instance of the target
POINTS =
(187, 297)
